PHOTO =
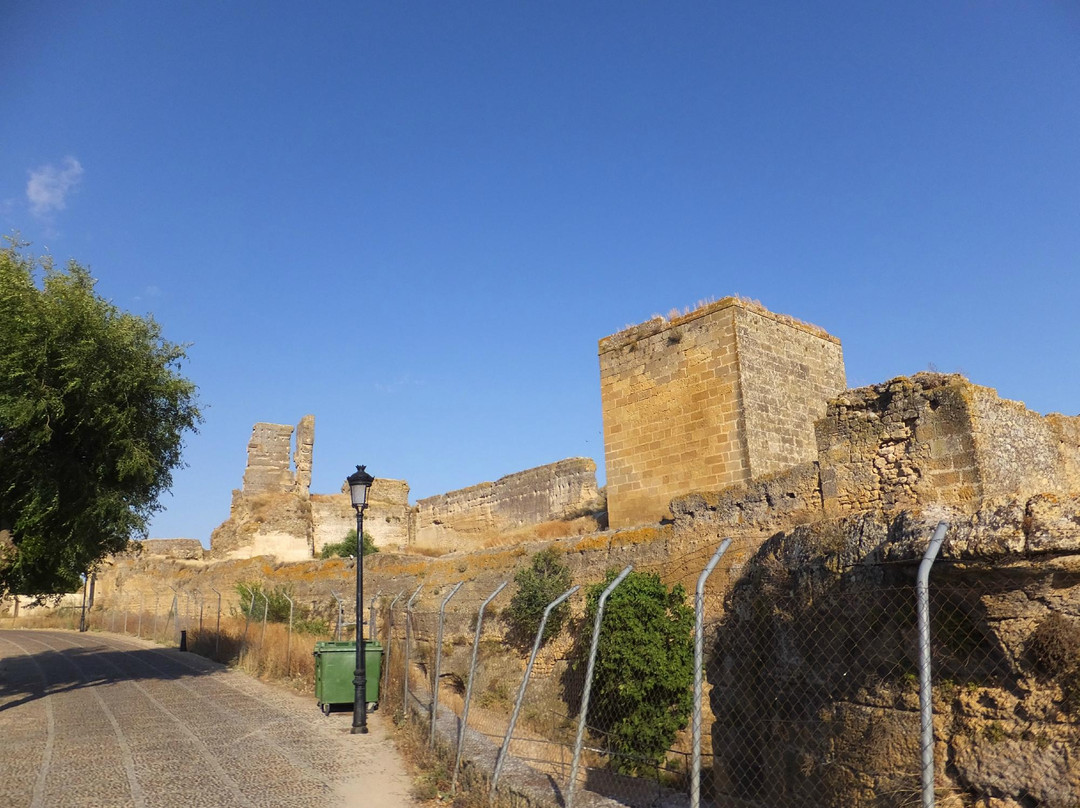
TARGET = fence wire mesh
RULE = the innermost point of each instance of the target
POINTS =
(811, 687)
(810, 679)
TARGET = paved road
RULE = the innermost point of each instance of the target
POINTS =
(93, 720)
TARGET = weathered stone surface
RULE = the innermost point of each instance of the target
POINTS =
(386, 519)
(302, 456)
(936, 438)
(174, 548)
(708, 399)
(464, 518)
(268, 470)
(814, 690)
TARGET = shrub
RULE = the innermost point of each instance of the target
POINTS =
(276, 604)
(643, 679)
(1055, 648)
(347, 547)
(538, 584)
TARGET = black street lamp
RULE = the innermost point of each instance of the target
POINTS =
(359, 483)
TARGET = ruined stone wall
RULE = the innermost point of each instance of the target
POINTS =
(271, 513)
(1020, 451)
(708, 400)
(303, 454)
(268, 468)
(386, 519)
(464, 518)
(173, 548)
(938, 438)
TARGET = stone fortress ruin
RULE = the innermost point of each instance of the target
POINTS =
(711, 400)
(733, 421)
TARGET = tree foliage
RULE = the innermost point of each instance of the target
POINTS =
(93, 411)
(538, 584)
(642, 689)
(347, 547)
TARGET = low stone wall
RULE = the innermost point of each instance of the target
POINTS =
(191, 549)
(463, 519)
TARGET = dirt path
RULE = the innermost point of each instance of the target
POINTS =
(98, 720)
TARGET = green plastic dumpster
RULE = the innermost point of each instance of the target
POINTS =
(335, 665)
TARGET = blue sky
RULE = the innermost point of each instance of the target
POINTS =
(415, 220)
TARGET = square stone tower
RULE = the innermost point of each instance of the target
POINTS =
(719, 396)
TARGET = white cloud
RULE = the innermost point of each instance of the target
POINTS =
(50, 185)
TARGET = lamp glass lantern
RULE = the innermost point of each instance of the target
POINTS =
(359, 483)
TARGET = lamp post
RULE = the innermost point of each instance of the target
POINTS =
(359, 483)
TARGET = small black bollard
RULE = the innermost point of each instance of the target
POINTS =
(183, 640)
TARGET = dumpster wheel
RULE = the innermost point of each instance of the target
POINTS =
(325, 709)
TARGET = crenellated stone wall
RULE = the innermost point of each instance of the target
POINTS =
(463, 519)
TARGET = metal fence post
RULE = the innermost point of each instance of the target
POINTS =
(288, 641)
(217, 627)
(340, 616)
(202, 604)
(576, 763)
(247, 615)
(142, 609)
(266, 611)
(173, 610)
(926, 707)
(371, 617)
(389, 641)
(524, 684)
(408, 640)
(127, 608)
(469, 684)
(437, 670)
(157, 596)
(699, 662)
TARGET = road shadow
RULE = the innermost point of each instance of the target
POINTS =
(30, 670)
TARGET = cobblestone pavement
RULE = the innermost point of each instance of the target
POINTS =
(93, 720)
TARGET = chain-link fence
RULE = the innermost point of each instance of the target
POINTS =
(810, 684)
(810, 681)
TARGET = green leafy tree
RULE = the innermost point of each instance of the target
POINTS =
(93, 411)
(642, 689)
(347, 547)
(538, 584)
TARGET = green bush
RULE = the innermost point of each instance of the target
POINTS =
(541, 582)
(347, 547)
(276, 604)
(642, 691)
